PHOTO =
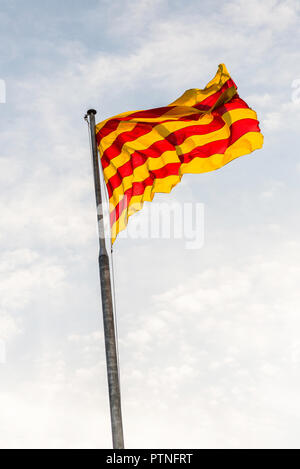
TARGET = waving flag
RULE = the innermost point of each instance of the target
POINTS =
(144, 152)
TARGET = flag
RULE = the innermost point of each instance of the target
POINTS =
(144, 152)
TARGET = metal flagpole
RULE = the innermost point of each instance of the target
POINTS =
(107, 304)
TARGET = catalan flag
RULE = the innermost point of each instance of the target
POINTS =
(145, 152)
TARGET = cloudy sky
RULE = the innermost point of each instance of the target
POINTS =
(209, 338)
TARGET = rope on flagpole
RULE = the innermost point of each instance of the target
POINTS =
(113, 285)
(115, 310)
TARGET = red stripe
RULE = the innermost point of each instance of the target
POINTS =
(238, 129)
(138, 158)
(206, 104)
(211, 100)
(112, 124)
(139, 130)
(235, 103)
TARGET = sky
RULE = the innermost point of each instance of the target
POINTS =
(209, 338)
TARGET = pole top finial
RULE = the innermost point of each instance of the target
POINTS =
(91, 111)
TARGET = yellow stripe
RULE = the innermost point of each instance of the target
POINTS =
(235, 115)
(158, 133)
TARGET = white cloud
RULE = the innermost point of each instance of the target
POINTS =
(20, 283)
(272, 121)
(270, 13)
(218, 334)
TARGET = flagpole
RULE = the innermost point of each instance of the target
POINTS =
(107, 304)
